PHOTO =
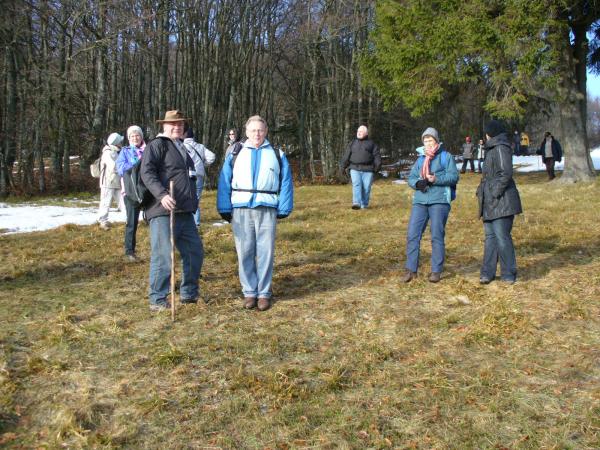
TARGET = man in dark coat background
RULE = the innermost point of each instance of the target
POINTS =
(551, 152)
(363, 158)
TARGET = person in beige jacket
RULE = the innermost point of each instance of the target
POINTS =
(110, 181)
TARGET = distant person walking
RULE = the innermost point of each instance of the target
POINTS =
(481, 154)
(468, 155)
(524, 144)
(110, 181)
(255, 189)
(516, 144)
(499, 202)
(129, 157)
(202, 157)
(363, 158)
(165, 159)
(551, 153)
(433, 176)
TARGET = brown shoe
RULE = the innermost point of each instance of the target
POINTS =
(249, 302)
(264, 303)
(408, 276)
(434, 277)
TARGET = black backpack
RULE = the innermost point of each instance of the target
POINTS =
(136, 190)
(234, 154)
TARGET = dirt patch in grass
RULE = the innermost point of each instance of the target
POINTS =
(349, 357)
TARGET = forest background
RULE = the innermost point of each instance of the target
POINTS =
(72, 72)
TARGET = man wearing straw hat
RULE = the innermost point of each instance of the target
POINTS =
(165, 160)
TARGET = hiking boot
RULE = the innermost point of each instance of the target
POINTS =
(105, 225)
(130, 258)
(408, 276)
(160, 305)
(264, 303)
(355, 206)
(189, 301)
(249, 302)
(435, 277)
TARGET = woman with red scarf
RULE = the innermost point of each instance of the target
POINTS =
(433, 177)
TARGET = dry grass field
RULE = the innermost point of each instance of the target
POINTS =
(348, 357)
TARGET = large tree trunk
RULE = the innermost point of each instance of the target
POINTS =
(578, 164)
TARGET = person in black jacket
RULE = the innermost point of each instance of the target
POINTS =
(499, 201)
(165, 159)
(551, 152)
(363, 158)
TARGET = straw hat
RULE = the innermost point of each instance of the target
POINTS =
(174, 116)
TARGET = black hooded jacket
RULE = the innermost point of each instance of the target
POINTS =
(497, 193)
(161, 163)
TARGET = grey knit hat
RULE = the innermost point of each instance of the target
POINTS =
(430, 131)
(114, 139)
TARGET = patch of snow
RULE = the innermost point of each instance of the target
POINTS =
(27, 218)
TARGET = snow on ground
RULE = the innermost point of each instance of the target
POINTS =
(534, 163)
(24, 218)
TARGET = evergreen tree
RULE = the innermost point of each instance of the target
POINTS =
(523, 51)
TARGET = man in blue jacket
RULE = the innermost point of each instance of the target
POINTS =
(255, 189)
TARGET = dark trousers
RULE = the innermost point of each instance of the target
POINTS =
(133, 215)
(549, 167)
(499, 248)
(464, 166)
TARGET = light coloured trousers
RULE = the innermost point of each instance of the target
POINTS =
(106, 197)
(254, 235)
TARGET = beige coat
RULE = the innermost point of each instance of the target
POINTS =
(109, 178)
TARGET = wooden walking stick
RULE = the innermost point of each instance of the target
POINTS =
(172, 226)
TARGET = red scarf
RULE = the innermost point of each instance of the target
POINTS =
(429, 155)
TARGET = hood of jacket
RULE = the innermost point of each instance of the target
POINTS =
(501, 139)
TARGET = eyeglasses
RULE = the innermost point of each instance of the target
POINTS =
(231, 134)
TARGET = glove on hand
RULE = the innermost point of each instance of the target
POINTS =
(282, 216)
(226, 216)
(422, 185)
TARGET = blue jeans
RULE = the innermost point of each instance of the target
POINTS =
(361, 187)
(499, 247)
(254, 235)
(199, 187)
(189, 244)
(437, 215)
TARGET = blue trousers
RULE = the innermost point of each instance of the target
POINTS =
(499, 247)
(199, 187)
(191, 250)
(361, 187)
(254, 235)
(420, 215)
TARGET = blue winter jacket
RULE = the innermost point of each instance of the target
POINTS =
(127, 159)
(445, 177)
(254, 181)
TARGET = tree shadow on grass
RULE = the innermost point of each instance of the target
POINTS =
(558, 257)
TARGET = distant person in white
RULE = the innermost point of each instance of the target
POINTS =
(110, 181)
(202, 157)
